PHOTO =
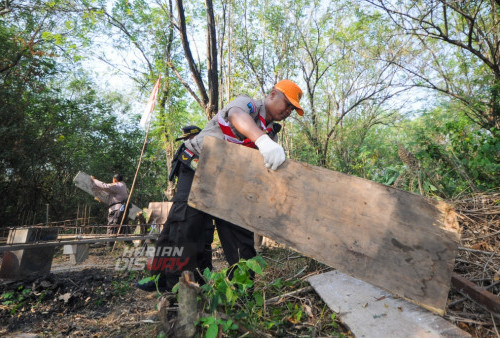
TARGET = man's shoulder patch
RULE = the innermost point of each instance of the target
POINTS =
(251, 107)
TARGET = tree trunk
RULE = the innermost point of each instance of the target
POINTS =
(189, 56)
(209, 101)
(213, 78)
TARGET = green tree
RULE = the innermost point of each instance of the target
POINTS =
(454, 154)
(440, 153)
(349, 84)
(458, 43)
(52, 123)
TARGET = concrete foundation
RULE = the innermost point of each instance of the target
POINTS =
(78, 252)
(372, 312)
(19, 264)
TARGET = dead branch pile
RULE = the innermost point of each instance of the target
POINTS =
(478, 260)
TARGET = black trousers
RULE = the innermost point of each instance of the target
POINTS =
(114, 218)
(185, 241)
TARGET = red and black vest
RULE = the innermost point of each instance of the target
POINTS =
(231, 137)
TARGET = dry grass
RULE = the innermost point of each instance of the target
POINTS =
(479, 261)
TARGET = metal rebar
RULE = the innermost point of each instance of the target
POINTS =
(11, 247)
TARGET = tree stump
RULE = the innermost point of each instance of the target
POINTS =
(188, 306)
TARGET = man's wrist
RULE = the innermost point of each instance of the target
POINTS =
(262, 140)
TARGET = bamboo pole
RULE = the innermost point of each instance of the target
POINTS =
(138, 165)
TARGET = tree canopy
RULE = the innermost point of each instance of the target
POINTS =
(404, 93)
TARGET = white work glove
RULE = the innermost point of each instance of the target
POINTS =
(273, 153)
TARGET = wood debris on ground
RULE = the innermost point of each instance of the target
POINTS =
(478, 261)
(102, 302)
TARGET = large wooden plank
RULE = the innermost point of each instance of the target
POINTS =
(395, 240)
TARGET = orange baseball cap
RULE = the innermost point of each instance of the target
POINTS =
(292, 92)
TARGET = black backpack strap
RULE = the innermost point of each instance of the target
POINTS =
(174, 166)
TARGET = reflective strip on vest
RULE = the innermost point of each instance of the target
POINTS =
(231, 137)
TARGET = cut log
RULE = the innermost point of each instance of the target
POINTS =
(393, 239)
(188, 306)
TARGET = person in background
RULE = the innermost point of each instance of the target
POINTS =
(118, 195)
(243, 121)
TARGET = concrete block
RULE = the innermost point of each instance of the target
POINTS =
(19, 264)
(78, 252)
(372, 312)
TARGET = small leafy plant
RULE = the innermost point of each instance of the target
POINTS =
(153, 278)
(222, 295)
(124, 286)
(233, 303)
(16, 298)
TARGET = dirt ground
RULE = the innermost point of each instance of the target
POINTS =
(94, 299)
(91, 299)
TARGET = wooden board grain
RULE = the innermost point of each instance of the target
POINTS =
(159, 212)
(393, 239)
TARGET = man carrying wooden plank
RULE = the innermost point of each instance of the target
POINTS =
(246, 122)
(399, 241)
(118, 195)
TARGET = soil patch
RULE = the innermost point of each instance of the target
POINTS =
(78, 300)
